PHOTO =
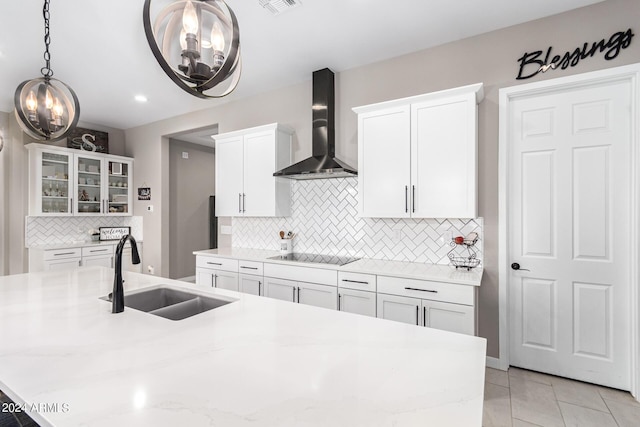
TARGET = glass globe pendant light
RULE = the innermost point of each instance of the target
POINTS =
(46, 108)
(197, 44)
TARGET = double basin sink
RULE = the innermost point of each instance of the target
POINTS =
(171, 303)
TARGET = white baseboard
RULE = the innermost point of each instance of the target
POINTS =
(190, 279)
(494, 363)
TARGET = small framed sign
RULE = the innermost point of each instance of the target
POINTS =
(144, 193)
(113, 233)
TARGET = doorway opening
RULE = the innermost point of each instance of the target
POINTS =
(191, 185)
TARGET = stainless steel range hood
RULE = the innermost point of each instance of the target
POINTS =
(322, 163)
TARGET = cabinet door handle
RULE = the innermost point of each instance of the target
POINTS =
(239, 203)
(244, 203)
(406, 199)
(339, 300)
(79, 263)
(71, 205)
(249, 268)
(64, 253)
(215, 281)
(214, 263)
(355, 281)
(259, 283)
(111, 262)
(422, 290)
(294, 294)
(413, 198)
(98, 250)
(417, 315)
(424, 316)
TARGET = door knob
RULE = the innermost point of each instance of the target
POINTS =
(516, 266)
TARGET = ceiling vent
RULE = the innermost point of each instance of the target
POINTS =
(276, 7)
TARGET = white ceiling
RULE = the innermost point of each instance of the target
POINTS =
(100, 50)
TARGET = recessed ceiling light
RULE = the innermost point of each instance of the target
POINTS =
(141, 98)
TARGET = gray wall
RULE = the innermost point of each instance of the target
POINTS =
(191, 182)
(490, 58)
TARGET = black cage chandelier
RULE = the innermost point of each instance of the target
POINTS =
(46, 108)
(197, 44)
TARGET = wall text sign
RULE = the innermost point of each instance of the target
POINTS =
(532, 63)
(114, 233)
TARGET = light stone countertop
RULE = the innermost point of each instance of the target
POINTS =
(407, 270)
(254, 362)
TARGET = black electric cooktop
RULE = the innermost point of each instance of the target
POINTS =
(315, 258)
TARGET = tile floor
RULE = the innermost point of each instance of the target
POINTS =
(520, 398)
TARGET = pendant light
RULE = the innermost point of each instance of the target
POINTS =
(46, 108)
(197, 44)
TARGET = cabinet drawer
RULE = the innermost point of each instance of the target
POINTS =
(217, 263)
(250, 267)
(302, 274)
(363, 282)
(53, 254)
(98, 250)
(434, 291)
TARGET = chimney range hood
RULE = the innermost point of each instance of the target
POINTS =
(322, 163)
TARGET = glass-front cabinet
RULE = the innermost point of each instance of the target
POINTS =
(89, 197)
(119, 188)
(54, 178)
(65, 181)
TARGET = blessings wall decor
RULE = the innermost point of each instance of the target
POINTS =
(532, 63)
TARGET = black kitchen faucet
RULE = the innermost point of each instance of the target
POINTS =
(117, 298)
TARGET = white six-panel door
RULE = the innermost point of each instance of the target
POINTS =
(569, 222)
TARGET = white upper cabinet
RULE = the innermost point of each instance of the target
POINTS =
(65, 181)
(229, 171)
(245, 163)
(417, 156)
(384, 149)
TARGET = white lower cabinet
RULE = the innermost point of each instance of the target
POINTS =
(98, 256)
(318, 295)
(400, 309)
(301, 292)
(62, 264)
(439, 305)
(434, 314)
(98, 260)
(102, 255)
(449, 317)
(251, 279)
(217, 279)
(357, 293)
(217, 273)
(358, 302)
(281, 289)
(250, 284)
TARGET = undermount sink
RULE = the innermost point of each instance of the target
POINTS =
(170, 303)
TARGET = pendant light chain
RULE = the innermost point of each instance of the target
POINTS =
(46, 70)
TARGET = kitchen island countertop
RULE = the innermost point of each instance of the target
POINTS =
(254, 362)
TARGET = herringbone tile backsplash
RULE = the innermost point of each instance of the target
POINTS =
(324, 218)
(41, 230)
